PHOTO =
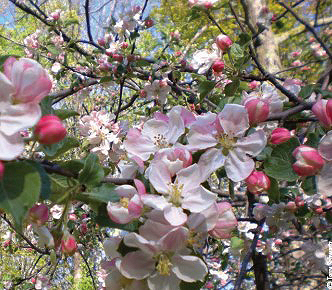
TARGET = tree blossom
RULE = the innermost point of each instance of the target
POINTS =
(164, 262)
(184, 193)
(158, 90)
(233, 149)
(203, 59)
(130, 205)
(22, 86)
(157, 134)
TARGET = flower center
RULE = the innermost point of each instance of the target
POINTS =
(160, 141)
(227, 143)
(164, 265)
(124, 201)
(175, 191)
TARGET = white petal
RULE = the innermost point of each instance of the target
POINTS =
(198, 199)
(189, 268)
(324, 179)
(137, 265)
(210, 161)
(174, 240)
(199, 141)
(160, 176)
(137, 241)
(238, 166)
(175, 126)
(175, 215)
(252, 144)
(190, 177)
(158, 282)
(325, 146)
(125, 191)
(234, 120)
(6, 90)
(10, 146)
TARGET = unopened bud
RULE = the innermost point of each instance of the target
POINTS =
(323, 111)
(257, 182)
(258, 110)
(223, 42)
(280, 135)
(308, 161)
(68, 244)
(218, 66)
(50, 130)
(38, 214)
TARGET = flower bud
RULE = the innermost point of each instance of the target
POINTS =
(323, 111)
(258, 110)
(253, 85)
(117, 57)
(280, 135)
(124, 45)
(257, 182)
(50, 130)
(223, 42)
(308, 161)
(55, 15)
(2, 170)
(148, 23)
(68, 244)
(38, 214)
(101, 41)
(218, 66)
(291, 206)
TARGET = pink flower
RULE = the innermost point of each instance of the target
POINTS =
(226, 222)
(68, 244)
(223, 42)
(38, 214)
(254, 84)
(226, 131)
(55, 15)
(295, 53)
(218, 66)
(257, 182)
(323, 111)
(130, 205)
(258, 110)
(280, 135)
(163, 261)
(308, 161)
(50, 130)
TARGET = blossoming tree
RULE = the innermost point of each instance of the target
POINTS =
(165, 156)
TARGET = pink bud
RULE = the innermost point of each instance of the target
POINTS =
(308, 161)
(72, 217)
(253, 85)
(295, 53)
(55, 15)
(208, 5)
(124, 45)
(68, 244)
(323, 111)
(280, 135)
(257, 182)
(258, 110)
(38, 214)
(148, 23)
(218, 66)
(278, 242)
(178, 53)
(117, 57)
(2, 170)
(291, 206)
(223, 42)
(109, 52)
(102, 41)
(50, 130)
(83, 228)
(319, 210)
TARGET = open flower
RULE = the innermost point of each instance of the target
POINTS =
(233, 149)
(164, 262)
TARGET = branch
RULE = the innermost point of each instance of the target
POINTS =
(308, 27)
(87, 18)
(285, 114)
(248, 256)
(40, 251)
(120, 101)
(214, 21)
(89, 269)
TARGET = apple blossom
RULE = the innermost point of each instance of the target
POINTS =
(323, 111)
(159, 90)
(218, 66)
(223, 42)
(226, 132)
(50, 130)
(55, 15)
(258, 182)
(68, 244)
(258, 110)
(38, 214)
(280, 135)
(308, 161)
(254, 84)
(161, 261)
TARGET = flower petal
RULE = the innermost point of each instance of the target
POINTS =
(325, 146)
(238, 166)
(252, 144)
(10, 146)
(175, 215)
(189, 268)
(198, 199)
(157, 282)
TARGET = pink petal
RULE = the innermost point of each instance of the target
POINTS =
(6, 91)
(325, 146)
(198, 199)
(158, 282)
(252, 144)
(175, 215)
(10, 146)
(137, 265)
(238, 166)
(210, 161)
(189, 268)
(174, 240)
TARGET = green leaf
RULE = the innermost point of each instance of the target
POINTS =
(45, 190)
(142, 63)
(312, 139)
(244, 38)
(306, 91)
(231, 88)
(286, 149)
(65, 114)
(19, 189)
(106, 79)
(236, 51)
(190, 286)
(279, 169)
(100, 194)
(204, 88)
(266, 153)
(73, 166)
(309, 185)
(92, 172)
(46, 106)
(57, 149)
(236, 243)
(273, 192)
